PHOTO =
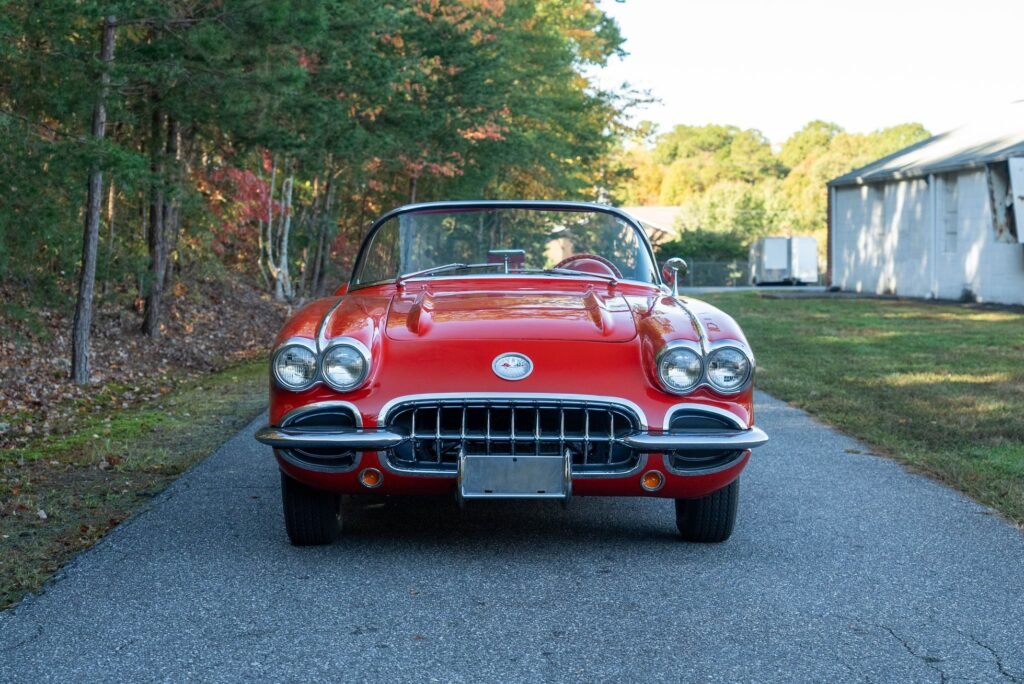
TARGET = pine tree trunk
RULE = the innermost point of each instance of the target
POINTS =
(310, 221)
(283, 284)
(259, 257)
(155, 236)
(268, 240)
(82, 325)
(172, 209)
(318, 262)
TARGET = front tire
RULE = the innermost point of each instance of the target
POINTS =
(311, 516)
(710, 519)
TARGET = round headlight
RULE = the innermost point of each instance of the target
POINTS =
(294, 367)
(728, 369)
(344, 367)
(680, 369)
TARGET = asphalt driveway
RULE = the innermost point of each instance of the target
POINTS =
(844, 567)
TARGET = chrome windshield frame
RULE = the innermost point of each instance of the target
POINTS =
(484, 205)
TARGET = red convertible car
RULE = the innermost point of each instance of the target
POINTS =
(511, 350)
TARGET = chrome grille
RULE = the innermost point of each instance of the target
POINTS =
(439, 429)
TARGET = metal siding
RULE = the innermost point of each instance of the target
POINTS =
(852, 225)
(911, 240)
(954, 205)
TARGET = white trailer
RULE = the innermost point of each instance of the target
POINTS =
(784, 260)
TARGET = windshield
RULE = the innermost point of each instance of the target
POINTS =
(461, 241)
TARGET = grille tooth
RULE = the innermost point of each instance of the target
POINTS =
(522, 427)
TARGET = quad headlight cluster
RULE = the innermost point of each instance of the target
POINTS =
(682, 368)
(343, 365)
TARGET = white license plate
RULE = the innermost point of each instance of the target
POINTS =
(489, 476)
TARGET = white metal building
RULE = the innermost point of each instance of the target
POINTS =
(941, 219)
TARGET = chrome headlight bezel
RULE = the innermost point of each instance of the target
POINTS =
(674, 350)
(320, 353)
(705, 379)
(720, 349)
(308, 348)
(348, 343)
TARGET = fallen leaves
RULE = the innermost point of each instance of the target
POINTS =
(208, 324)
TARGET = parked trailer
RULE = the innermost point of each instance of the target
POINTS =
(782, 260)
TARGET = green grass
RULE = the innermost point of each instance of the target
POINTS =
(937, 386)
(90, 480)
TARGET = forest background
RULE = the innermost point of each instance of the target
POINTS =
(153, 151)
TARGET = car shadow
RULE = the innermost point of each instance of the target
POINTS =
(440, 520)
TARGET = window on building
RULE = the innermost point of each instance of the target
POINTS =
(950, 213)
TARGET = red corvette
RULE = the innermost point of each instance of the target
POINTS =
(511, 350)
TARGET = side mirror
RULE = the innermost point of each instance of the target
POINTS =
(674, 270)
(342, 290)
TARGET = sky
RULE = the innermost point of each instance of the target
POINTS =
(774, 65)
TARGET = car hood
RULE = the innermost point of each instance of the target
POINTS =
(592, 315)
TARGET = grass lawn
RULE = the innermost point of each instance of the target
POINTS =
(59, 495)
(937, 386)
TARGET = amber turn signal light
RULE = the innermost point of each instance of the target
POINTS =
(652, 481)
(371, 478)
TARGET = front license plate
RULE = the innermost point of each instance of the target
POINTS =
(514, 477)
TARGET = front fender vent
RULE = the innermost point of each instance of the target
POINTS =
(697, 421)
(326, 418)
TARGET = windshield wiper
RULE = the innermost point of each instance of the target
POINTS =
(571, 272)
(442, 269)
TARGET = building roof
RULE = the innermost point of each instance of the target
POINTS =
(993, 138)
(657, 219)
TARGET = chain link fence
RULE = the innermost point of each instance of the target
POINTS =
(716, 274)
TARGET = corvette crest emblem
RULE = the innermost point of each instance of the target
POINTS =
(512, 366)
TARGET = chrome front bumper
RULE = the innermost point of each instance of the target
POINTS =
(352, 439)
(369, 439)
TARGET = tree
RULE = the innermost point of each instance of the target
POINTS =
(813, 139)
(263, 136)
(698, 157)
(90, 241)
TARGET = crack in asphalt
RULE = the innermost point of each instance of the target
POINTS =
(37, 632)
(995, 655)
(932, 662)
(929, 661)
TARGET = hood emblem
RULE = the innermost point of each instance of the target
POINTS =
(512, 366)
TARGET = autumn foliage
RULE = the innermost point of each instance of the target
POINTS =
(270, 133)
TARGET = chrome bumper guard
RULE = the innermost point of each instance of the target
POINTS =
(357, 439)
(382, 439)
(732, 440)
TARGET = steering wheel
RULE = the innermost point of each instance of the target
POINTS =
(590, 263)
